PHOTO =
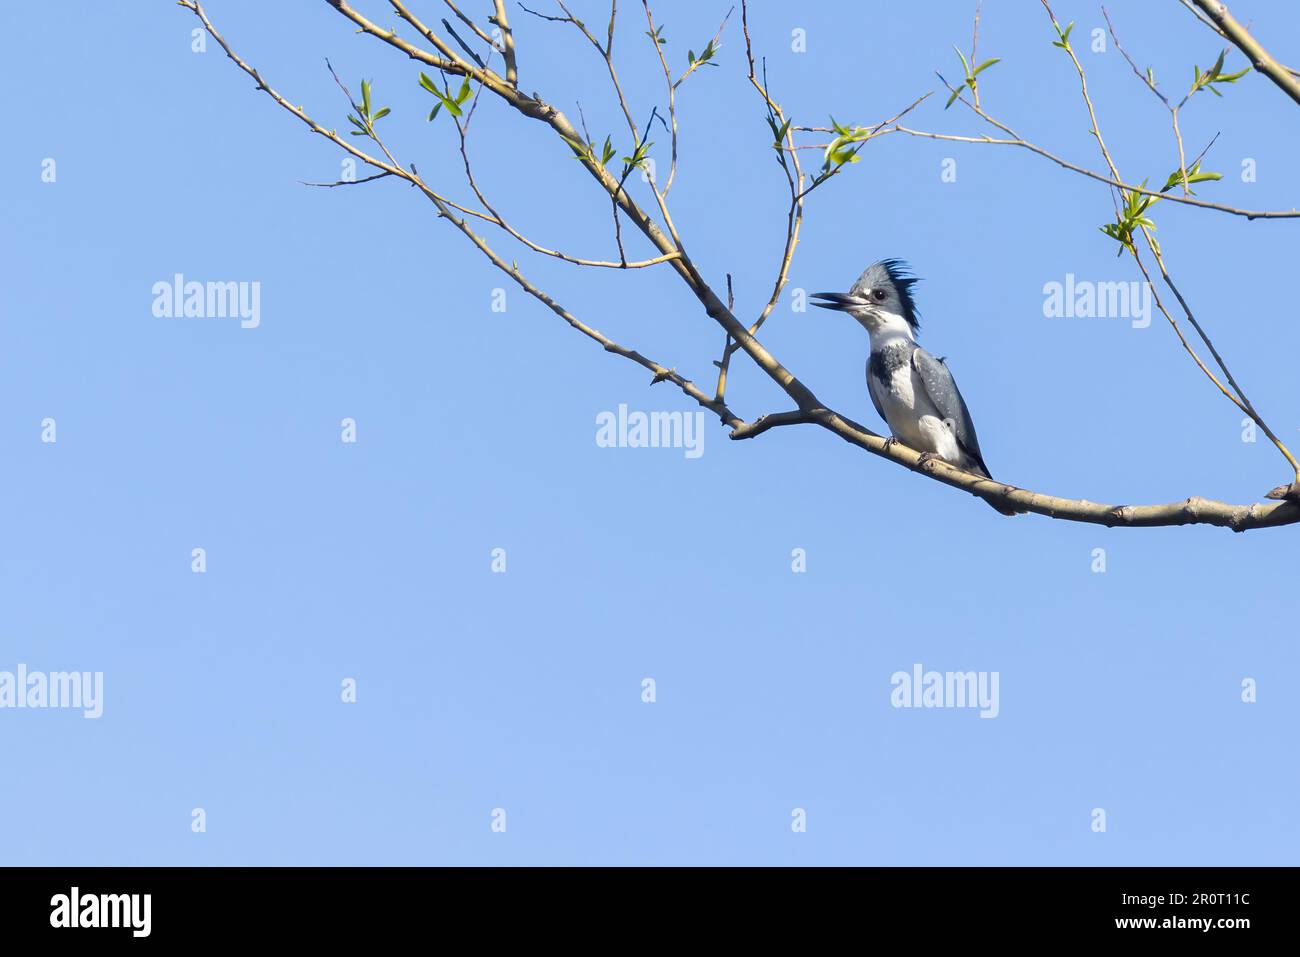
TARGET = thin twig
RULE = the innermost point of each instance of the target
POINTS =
(1099, 177)
(349, 182)
(507, 42)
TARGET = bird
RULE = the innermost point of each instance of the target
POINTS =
(914, 392)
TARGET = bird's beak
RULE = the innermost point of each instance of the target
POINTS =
(837, 300)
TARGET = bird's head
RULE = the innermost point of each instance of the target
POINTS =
(881, 300)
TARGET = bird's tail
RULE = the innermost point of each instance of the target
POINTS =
(981, 470)
(1004, 509)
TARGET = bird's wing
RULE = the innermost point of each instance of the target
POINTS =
(871, 391)
(941, 387)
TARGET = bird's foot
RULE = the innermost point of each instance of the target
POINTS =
(925, 459)
(890, 443)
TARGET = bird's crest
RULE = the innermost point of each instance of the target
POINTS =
(899, 275)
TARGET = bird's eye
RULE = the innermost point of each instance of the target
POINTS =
(878, 295)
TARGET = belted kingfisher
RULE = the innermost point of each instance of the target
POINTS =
(912, 390)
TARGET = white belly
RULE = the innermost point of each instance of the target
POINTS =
(913, 419)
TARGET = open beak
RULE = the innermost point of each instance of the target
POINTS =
(837, 300)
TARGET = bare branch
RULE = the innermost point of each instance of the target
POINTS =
(794, 176)
(350, 182)
(775, 419)
(468, 22)
(1192, 511)
(507, 41)
(447, 64)
(661, 373)
(499, 220)
(465, 47)
(672, 95)
(724, 364)
(1099, 177)
(389, 166)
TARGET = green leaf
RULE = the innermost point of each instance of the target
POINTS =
(985, 65)
(381, 114)
(955, 93)
(838, 153)
(778, 132)
(428, 84)
(365, 97)
(964, 65)
(1120, 235)
(1194, 175)
(580, 150)
(638, 155)
(840, 157)
(434, 112)
(463, 95)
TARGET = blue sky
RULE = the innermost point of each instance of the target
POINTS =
(476, 430)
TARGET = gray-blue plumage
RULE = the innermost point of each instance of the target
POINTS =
(883, 365)
(942, 389)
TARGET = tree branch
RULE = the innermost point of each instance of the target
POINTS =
(507, 41)
(389, 166)
(1239, 399)
(809, 409)
(1016, 140)
(1259, 57)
